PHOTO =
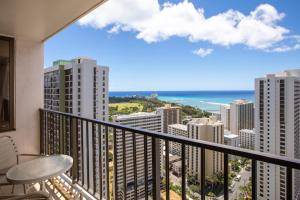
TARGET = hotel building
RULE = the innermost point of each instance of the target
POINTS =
(241, 116)
(170, 115)
(80, 87)
(208, 129)
(277, 130)
(150, 121)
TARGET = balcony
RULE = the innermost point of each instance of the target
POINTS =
(63, 133)
(29, 23)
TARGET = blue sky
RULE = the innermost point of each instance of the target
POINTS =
(185, 45)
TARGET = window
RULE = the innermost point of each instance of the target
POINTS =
(7, 84)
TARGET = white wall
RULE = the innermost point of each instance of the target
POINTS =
(29, 61)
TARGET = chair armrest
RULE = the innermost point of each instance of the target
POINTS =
(34, 195)
(28, 155)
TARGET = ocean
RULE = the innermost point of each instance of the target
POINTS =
(205, 100)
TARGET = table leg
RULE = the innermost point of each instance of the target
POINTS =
(24, 187)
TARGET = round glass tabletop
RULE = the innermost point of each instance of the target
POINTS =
(39, 169)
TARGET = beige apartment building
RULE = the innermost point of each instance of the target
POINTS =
(170, 115)
(241, 116)
(208, 129)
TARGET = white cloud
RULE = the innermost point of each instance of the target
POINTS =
(202, 52)
(153, 22)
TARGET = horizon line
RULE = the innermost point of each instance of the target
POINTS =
(183, 90)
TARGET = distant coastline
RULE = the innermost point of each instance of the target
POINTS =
(206, 100)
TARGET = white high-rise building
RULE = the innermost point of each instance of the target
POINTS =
(208, 129)
(247, 138)
(178, 130)
(80, 87)
(149, 121)
(241, 116)
(277, 128)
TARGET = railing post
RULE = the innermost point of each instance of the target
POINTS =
(155, 168)
(42, 133)
(254, 179)
(202, 174)
(167, 163)
(115, 190)
(74, 143)
(183, 171)
(225, 176)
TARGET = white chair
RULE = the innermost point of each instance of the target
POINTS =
(9, 157)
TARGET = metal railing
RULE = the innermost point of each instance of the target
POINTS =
(81, 138)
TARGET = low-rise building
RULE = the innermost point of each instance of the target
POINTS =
(231, 139)
(247, 138)
(176, 167)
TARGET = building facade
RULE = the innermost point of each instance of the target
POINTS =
(80, 87)
(231, 139)
(277, 130)
(225, 116)
(241, 116)
(150, 121)
(178, 130)
(170, 115)
(247, 138)
(208, 129)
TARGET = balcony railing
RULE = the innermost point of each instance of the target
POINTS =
(82, 139)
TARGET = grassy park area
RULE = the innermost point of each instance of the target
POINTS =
(125, 108)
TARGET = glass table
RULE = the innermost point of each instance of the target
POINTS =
(39, 170)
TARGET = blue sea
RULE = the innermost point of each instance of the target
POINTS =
(206, 100)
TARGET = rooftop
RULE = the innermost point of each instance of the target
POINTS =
(241, 102)
(248, 131)
(135, 115)
(205, 121)
(179, 126)
(229, 135)
(169, 106)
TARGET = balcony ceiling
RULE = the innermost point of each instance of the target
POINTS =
(40, 19)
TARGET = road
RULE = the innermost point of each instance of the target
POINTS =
(244, 179)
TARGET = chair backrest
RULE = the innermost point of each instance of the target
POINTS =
(8, 153)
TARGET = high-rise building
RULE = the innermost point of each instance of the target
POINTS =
(247, 138)
(277, 128)
(80, 87)
(225, 116)
(170, 115)
(150, 121)
(241, 116)
(178, 130)
(208, 129)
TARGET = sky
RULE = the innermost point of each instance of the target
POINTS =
(177, 45)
